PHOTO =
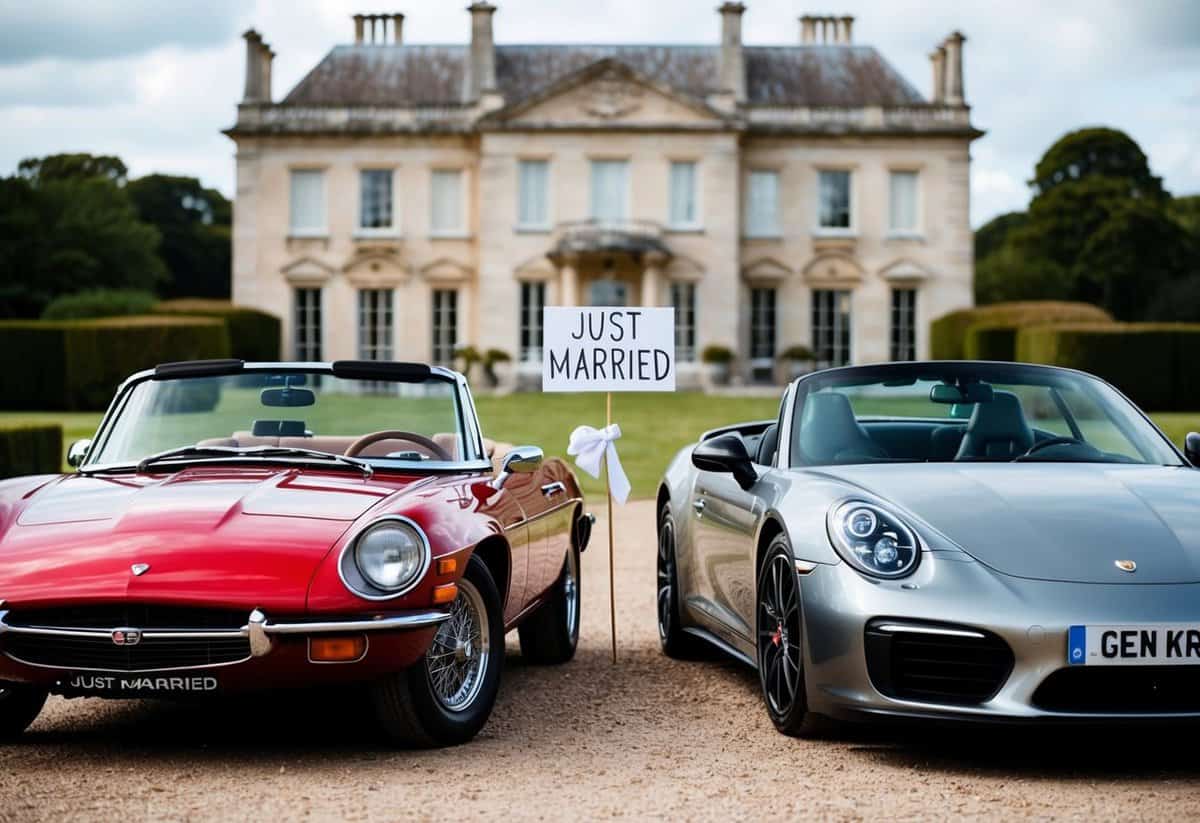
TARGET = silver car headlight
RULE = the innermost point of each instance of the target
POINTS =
(391, 555)
(874, 540)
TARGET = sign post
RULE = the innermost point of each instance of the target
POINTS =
(607, 348)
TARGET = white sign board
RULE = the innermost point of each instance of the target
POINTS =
(608, 348)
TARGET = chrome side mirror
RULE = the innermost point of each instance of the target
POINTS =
(78, 453)
(521, 460)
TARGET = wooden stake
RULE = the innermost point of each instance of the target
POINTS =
(612, 579)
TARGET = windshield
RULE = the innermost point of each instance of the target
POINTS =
(267, 412)
(966, 412)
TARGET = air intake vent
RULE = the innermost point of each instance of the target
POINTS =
(1120, 690)
(936, 663)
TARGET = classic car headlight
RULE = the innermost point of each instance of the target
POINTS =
(391, 554)
(873, 540)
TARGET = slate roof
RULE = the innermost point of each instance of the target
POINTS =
(431, 75)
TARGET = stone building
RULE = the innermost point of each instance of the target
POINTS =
(404, 200)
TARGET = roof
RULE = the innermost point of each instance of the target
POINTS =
(424, 75)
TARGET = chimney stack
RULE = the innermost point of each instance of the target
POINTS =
(808, 32)
(954, 93)
(372, 29)
(937, 61)
(733, 66)
(847, 29)
(826, 29)
(258, 69)
(481, 73)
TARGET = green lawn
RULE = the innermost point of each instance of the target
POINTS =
(654, 426)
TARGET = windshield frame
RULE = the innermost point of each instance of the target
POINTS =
(800, 388)
(474, 459)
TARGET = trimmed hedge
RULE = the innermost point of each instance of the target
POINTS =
(990, 341)
(32, 449)
(100, 303)
(949, 332)
(1153, 363)
(77, 365)
(253, 335)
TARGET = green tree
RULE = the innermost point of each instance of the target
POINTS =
(1096, 152)
(195, 227)
(38, 170)
(991, 235)
(1186, 212)
(1006, 275)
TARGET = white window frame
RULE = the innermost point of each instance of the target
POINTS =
(683, 299)
(321, 230)
(381, 231)
(697, 222)
(774, 231)
(530, 321)
(917, 230)
(308, 331)
(628, 200)
(440, 342)
(838, 231)
(546, 224)
(377, 314)
(460, 231)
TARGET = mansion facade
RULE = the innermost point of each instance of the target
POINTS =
(403, 201)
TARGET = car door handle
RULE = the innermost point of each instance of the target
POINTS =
(551, 489)
(698, 505)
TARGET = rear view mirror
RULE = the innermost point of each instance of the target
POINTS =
(968, 393)
(287, 398)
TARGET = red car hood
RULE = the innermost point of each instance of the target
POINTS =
(237, 538)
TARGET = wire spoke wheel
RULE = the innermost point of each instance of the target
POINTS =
(458, 657)
(571, 592)
(666, 577)
(779, 634)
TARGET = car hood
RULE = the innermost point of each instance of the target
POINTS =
(241, 537)
(1053, 521)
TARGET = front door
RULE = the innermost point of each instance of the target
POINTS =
(724, 519)
(608, 292)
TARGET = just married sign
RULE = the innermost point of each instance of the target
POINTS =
(608, 348)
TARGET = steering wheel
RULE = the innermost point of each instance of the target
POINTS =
(1053, 441)
(356, 448)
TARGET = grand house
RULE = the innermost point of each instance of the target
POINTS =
(406, 200)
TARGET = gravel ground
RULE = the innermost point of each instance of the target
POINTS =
(649, 738)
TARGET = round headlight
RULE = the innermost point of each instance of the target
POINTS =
(390, 555)
(873, 540)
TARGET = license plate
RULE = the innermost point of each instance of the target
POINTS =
(1153, 645)
(148, 684)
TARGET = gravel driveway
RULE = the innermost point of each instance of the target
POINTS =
(650, 738)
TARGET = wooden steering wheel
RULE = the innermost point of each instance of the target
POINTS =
(355, 448)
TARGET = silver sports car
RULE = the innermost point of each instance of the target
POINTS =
(973, 541)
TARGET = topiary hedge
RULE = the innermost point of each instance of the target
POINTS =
(100, 303)
(949, 332)
(990, 341)
(253, 334)
(32, 449)
(77, 365)
(1153, 363)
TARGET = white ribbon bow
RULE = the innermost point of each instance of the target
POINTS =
(588, 445)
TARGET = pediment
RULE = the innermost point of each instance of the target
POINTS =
(607, 94)
(766, 270)
(905, 270)
(536, 269)
(684, 269)
(308, 271)
(833, 269)
(376, 267)
(447, 270)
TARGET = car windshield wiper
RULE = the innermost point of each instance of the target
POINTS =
(225, 452)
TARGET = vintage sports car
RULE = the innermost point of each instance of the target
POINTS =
(238, 526)
(970, 541)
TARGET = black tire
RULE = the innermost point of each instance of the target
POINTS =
(780, 622)
(415, 712)
(549, 635)
(19, 706)
(675, 642)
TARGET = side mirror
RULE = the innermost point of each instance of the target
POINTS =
(1191, 448)
(726, 454)
(78, 453)
(521, 460)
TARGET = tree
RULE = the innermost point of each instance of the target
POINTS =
(39, 170)
(992, 234)
(1096, 152)
(195, 227)
(1186, 212)
(1006, 275)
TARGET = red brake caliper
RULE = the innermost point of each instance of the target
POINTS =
(777, 637)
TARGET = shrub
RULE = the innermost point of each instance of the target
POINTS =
(990, 341)
(30, 450)
(717, 355)
(948, 333)
(1153, 363)
(100, 303)
(77, 365)
(796, 352)
(253, 334)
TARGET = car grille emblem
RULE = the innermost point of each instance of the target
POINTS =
(1126, 565)
(126, 637)
(139, 569)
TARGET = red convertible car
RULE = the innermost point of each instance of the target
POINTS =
(239, 526)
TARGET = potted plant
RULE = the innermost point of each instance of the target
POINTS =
(798, 361)
(469, 356)
(718, 359)
(490, 358)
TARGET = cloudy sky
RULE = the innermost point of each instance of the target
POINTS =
(155, 81)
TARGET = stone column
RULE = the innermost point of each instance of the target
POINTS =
(955, 95)
(652, 277)
(568, 281)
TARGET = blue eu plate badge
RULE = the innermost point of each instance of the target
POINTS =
(1077, 645)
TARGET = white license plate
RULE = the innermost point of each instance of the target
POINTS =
(1152, 645)
(148, 684)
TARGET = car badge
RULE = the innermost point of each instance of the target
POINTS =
(126, 637)
(1126, 565)
(139, 569)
